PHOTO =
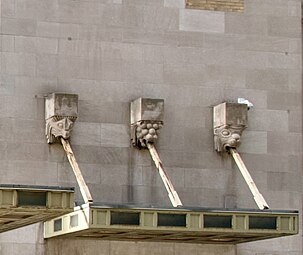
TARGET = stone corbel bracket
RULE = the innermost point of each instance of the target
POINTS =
(146, 121)
(230, 119)
(61, 111)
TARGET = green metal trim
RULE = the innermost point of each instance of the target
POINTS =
(22, 205)
(178, 225)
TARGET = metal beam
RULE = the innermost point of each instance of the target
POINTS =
(250, 182)
(79, 177)
(172, 193)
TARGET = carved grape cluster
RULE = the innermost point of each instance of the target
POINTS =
(148, 131)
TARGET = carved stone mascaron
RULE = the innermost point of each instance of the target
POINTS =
(61, 111)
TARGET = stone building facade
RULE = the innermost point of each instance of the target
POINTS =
(111, 52)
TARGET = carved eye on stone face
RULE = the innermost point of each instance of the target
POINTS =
(60, 125)
(225, 132)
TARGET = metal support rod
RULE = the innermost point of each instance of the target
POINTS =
(172, 193)
(247, 177)
(81, 182)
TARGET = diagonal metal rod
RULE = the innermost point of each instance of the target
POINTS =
(247, 177)
(172, 193)
(81, 182)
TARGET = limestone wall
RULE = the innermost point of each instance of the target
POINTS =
(110, 52)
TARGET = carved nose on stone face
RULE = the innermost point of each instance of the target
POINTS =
(236, 137)
(233, 142)
(68, 124)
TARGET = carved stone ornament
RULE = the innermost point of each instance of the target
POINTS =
(226, 137)
(144, 132)
(59, 126)
(61, 111)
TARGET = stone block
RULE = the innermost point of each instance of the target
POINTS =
(245, 24)
(28, 234)
(283, 182)
(209, 160)
(174, 4)
(232, 114)
(48, 29)
(25, 248)
(7, 85)
(56, 153)
(8, 8)
(7, 43)
(21, 106)
(208, 178)
(147, 109)
(160, 19)
(202, 197)
(75, 67)
(62, 246)
(190, 39)
(143, 2)
(32, 172)
(207, 249)
(284, 27)
(107, 193)
(61, 104)
(115, 175)
(295, 121)
(254, 142)
(284, 143)
(202, 21)
(34, 130)
(140, 157)
(19, 64)
(27, 151)
(142, 72)
(294, 80)
(198, 140)
(266, 8)
(283, 100)
(267, 162)
(224, 76)
(268, 120)
(171, 138)
(25, 27)
(152, 178)
(154, 248)
(283, 61)
(186, 55)
(47, 66)
(115, 135)
(123, 248)
(268, 79)
(87, 154)
(85, 133)
(102, 112)
(38, 88)
(90, 172)
(36, 45)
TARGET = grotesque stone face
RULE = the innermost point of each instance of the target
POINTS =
(227, 137)
(61, 111)
(59, 126)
